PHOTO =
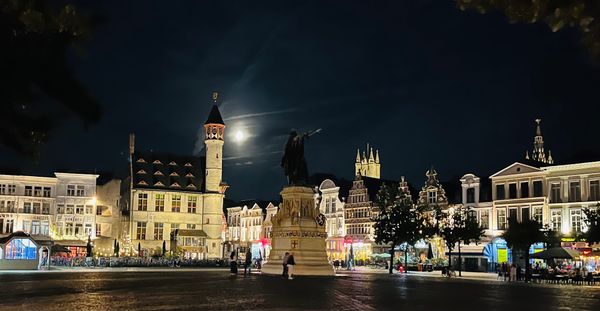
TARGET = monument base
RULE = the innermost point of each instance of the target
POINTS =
(296, 230)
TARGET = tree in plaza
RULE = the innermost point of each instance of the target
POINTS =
(396, 221)
(460, 227)
(38, 85)
(582, 15)
(592, 222)
(520, 236)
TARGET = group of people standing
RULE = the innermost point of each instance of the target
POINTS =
(233, 263)
(288, 264)
(513, 272)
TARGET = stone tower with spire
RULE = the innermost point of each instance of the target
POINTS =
(368, 164)
(214, 187)
(538, 153)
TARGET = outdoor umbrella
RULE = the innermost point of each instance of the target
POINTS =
(139, 249)
(115, 248)
(430, 252)
(164, 248)
(59, 249)
(557, 252)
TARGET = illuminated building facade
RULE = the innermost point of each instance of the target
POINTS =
(367, 166)
(332, 207)
(61, 207)
(166, 192)
(249, 226)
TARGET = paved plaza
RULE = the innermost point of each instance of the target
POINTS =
(217, 290)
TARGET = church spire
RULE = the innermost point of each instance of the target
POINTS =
(371, 157)
(538, 153)
(377, 156)
(357, 156)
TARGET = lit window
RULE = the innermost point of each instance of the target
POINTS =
(142, 201)
(192, 202)
(556, 220)
(141, 231)
(176, 203)
(159, 203)
(158, 230)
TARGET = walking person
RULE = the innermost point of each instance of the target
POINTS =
(513, 273)
(285, 266)
(290, 264)
(248, 262)
(233, 267)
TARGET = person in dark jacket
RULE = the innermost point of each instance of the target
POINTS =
(233, 267)
(248, 262)
(285, 266)
(290, 264)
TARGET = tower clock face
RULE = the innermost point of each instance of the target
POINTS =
(320, 220)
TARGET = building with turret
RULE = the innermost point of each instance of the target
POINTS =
(538, 153)
(176, 200)
(367, 166)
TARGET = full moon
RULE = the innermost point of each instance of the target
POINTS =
(239, 136)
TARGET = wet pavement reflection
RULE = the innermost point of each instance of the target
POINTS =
(217, 290)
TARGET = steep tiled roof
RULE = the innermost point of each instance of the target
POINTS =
(165, 171)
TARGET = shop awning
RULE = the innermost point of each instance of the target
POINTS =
(68, 243)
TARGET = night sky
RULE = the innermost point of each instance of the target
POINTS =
(421, 81)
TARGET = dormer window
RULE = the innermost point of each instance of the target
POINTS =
(158, 173)
(191, 186)
(172, 163)
(140, 160)
(141, 172)
(175, 185)
(156, 162)
(189, 175)
(143, 183)
(188, 164)
(159, 184)
(174, 174)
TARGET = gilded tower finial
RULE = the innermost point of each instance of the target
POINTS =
(215, 96)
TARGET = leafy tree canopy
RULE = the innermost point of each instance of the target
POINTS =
(37, 81)
(583, 15)
(592, 221)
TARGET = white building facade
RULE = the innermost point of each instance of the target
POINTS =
(61, 207)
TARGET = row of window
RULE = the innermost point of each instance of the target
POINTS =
(358, 229)
(158, 230)
(159, 203)
(76, 229)
(358, 213)
(8, 189)
(39, 191)
(574, 194)
(538, 191)
(74, 209)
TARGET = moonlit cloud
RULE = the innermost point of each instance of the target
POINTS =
(259, 114)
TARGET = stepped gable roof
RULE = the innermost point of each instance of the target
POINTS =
(215, 116)
(165, 171)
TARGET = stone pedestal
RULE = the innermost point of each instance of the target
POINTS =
(295, 230)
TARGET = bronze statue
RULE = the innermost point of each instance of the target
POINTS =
(293, 161)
